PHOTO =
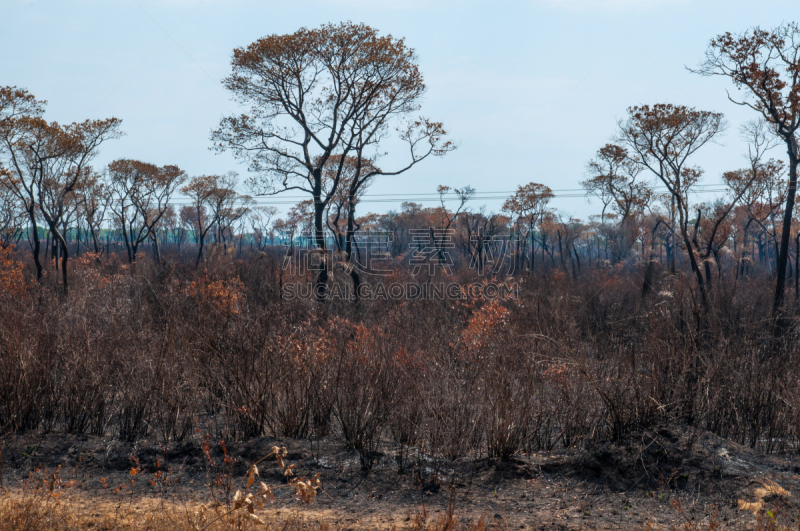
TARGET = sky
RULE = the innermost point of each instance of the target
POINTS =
(529, 90)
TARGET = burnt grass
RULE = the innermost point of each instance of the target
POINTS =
(669, 476)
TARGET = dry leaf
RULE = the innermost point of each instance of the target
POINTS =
(748, 506)
(256, 518)
(251, 475)
(772, 488)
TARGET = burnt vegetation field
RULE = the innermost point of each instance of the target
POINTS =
(649, 350)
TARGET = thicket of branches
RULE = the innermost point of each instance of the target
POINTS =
(573, 359)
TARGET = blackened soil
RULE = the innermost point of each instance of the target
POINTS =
(664, 478)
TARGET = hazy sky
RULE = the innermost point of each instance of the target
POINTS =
(529, 89)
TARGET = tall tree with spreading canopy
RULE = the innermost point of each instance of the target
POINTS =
(18, 108)
(213, 200)
(50, 161)
(143, 192)
(316, 93)
(766, 65)
(661, 138)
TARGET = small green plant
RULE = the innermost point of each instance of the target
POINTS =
(31, 451)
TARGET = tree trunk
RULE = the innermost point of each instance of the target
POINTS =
(561, 252)
(783, 253)
(201, 241)
(321, 284)
(672, 253)
(695, 268)
(650, 265)
(36, 245)
(94, 241)
(577, 259)
(131, 254)
(797, 268)
(59, 239)
(348, 247)
(156, 248)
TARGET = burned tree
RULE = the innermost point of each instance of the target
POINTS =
(313, 94)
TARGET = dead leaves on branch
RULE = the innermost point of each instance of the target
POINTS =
(305, 490)
(217, 297)
(246, 501)
(766, 63)
(334, 90)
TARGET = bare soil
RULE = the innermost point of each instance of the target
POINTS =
(663, 478)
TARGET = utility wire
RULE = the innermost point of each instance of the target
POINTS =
(434, 197)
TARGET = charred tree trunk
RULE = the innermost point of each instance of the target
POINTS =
(783, 253)
(321, 284)
(36, 244)
(649, 269)
(201, 240)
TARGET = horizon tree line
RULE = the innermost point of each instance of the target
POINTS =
(321, 104)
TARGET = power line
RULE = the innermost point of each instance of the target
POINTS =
(434, 197)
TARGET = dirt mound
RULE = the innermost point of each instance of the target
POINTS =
(514, 468)
(675, 457)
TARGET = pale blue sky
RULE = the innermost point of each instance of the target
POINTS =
(529, 89)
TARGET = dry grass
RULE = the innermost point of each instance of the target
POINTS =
(27, 512)
(46, 500)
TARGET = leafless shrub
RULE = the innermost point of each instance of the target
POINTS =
(149, 350)
(364, 391)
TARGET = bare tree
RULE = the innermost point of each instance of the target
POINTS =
(142, 194)
(335, 90)
(479, 232)
(762, 185)
(766, 63)
(528, 204)
(94, 199)
(341, 208)
(50, 164)
(614, 180)
(12, 214)
(213, 201)
(661, 138)
(260, 219)
(192, 218)
(153, 204)
(18, 108)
